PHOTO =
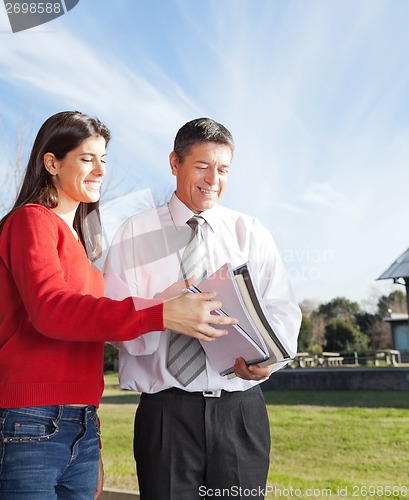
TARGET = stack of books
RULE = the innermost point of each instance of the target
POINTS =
(254, 338)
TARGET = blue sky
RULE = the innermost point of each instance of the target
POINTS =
(315, 92)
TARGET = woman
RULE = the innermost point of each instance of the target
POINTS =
(54, 319)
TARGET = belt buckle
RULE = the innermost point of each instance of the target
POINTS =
(212, 394)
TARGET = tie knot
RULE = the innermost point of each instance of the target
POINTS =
(195, 221)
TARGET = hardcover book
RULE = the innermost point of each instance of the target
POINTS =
(254, 338)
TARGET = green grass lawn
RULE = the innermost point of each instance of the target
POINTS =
(339, 444)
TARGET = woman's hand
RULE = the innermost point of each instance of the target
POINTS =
(190, 314)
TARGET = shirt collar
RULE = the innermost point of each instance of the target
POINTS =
(180, 213)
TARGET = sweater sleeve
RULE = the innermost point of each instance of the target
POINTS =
(31, 248)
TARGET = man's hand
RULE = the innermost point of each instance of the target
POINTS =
(252, 372)
(190, 315)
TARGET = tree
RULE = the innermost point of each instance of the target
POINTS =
(379, 333)
(308, 306)
(318, 326)
(342, 330)
(305, 339)
(376, 329)
(340, 308)
(394, 302)
(16, 159)
(111, 355)
(342, 335)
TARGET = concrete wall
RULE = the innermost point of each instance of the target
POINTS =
(340, 378)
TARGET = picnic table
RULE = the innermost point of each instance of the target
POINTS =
(303, 360)
(330, 359)
(391, 356)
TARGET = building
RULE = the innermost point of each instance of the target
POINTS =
(399, 272)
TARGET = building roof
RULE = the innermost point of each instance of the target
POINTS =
(399, 269)
(397, 318)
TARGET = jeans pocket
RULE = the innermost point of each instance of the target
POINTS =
(23, 427)
(27, 431)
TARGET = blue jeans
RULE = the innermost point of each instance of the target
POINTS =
(48, 453)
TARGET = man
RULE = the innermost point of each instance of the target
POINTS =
(196, 431)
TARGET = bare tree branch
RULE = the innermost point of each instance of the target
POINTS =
(15, 155)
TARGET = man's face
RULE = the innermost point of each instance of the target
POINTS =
(202, 176)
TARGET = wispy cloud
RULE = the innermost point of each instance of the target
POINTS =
(315, 94)
(323, 194)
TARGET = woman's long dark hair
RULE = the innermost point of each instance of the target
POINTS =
(60, 134)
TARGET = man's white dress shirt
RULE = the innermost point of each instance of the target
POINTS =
(144, 259)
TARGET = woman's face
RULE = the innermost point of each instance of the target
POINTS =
(78, 176)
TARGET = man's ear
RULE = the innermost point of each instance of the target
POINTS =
(174, 163)
(50, 163)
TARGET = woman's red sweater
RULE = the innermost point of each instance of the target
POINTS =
(52, 325)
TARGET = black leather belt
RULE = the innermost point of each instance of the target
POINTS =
(219, 393)
(205, 394)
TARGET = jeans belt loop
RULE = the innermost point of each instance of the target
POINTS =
(212, 394)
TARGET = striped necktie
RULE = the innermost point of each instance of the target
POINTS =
(186, 357)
